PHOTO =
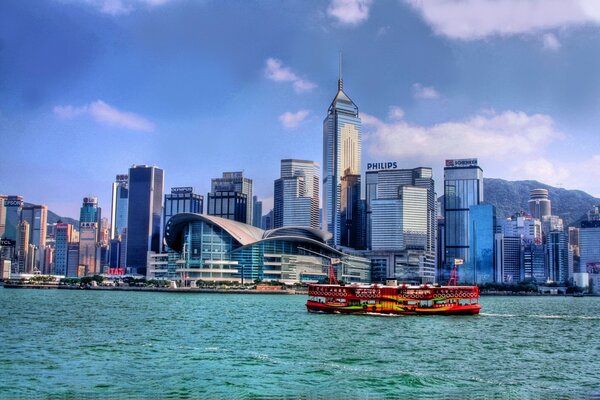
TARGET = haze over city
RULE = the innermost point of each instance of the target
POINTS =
(88, 88)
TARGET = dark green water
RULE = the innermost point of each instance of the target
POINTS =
(73, 344)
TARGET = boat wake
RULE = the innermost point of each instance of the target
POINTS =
(542, 316)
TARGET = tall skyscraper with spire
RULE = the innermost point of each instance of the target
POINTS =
(341, 164)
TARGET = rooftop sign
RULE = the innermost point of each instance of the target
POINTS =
(463, 162)
(382, 165)
(179, 190)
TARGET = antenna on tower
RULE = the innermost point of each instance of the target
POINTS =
(340, 80)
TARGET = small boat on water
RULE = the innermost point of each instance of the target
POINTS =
(398, 299)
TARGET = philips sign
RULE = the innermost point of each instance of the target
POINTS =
(382, 165)
(179, 190)
(465, 162)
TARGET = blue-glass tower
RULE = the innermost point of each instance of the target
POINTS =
(143, 215)
(341, 159)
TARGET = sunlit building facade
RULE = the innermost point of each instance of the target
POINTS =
(341, 158)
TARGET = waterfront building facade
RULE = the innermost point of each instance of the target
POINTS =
(557, 247)
(23, 257)
(341, 158)
(143, 215)
(216, 249)
(234, 182)
(296, 194)
(463, 188)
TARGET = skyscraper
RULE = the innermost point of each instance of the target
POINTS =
(118, 213)
(36, 216)
(401, 223)
(256, 212)
(463, 188)
(482, 224)
(63, 236)
(143, 215)
(13, 205)
(182, 200)
(22, 249)
(296, 195)
(341, 157)
(2, 215)
(229, 205)
(89, 225)
(234, 182)
(539, 204)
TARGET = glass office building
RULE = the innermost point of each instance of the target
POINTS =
(482, 223)
(120, 200)
(215, 249)
(234, 182)
(341, 157)
(143, 215)
(463, 188)
(296, 195)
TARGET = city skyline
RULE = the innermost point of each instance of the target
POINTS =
(91, 88)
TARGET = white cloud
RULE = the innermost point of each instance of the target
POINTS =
(477, 19)
(291, 120)
(276, 71)
(488, 134)
(395, 113)
(425, 92)
(551, 42)
(122, 7)
(542, 170)
(349, 12)
(106, 114)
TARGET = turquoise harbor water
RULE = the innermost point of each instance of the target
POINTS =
(62, 343)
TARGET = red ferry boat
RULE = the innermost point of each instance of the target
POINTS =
(397, 299)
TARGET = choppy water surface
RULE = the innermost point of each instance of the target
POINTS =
(126, 344)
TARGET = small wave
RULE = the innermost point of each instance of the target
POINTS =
(497, 315)
(542, 316)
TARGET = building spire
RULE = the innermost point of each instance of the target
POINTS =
(340, 80)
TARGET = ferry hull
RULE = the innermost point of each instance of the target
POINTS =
(470, 309)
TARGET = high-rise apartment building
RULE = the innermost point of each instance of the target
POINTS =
(539, 203)
(341, 158)
(143, 215)
(296, 195)
(463, 188)
(119, 204)
(233, 182)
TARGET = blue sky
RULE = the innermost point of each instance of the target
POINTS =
(90, 87)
